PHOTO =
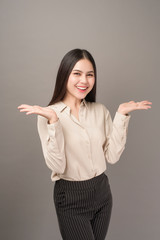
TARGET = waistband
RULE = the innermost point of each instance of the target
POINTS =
(84, 184)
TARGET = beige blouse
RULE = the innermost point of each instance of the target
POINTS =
(79, 150)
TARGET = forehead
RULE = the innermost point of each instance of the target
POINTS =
(83, 65)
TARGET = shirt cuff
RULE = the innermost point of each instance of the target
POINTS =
(54, 128)
(121, 119)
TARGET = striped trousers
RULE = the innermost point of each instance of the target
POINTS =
(83, 208)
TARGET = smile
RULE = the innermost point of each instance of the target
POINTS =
(81, 89)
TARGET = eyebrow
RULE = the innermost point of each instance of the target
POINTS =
(81, 71)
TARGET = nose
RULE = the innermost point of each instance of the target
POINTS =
(84, 79)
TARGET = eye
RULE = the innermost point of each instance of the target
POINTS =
(90, 75)
(76, 73)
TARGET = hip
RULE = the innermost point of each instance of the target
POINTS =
(87, 194)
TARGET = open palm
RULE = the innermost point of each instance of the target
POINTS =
(43, 111)
(127, 107)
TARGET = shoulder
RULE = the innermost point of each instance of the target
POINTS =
(57, 107)
(54, 106)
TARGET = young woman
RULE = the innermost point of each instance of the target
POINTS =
(78, 138)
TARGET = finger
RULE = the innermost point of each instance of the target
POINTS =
(23, 105)
(147, 102)
(145, 107)
(142, 106)
(144, 103)
(25, 109)
(31, 112)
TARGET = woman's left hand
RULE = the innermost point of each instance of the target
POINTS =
(127, 107)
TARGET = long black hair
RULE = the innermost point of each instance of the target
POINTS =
(67, 64)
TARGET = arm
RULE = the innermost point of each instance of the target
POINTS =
(116, 135)
(116, 131)
(52, 141)
(51, 136)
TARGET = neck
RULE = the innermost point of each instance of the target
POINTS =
(72, 103)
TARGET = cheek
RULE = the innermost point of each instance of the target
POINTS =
(71, 83)
(92, 82)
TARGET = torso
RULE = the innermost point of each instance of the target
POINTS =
(75, 113)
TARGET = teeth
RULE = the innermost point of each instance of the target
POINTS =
(81, 88)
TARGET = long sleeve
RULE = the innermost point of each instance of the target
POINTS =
(116, 135)
(52, 141)
(78, 150)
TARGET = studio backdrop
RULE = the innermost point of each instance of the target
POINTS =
(123, 36)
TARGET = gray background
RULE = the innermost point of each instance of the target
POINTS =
(123, 37)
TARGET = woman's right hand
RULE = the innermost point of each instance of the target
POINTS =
(46, 112)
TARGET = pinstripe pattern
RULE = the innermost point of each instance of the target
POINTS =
(83, 208)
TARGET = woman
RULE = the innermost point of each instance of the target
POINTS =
(78, 138)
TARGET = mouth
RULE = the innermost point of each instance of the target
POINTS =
(82, 89)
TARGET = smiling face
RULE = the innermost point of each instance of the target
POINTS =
(81, 80)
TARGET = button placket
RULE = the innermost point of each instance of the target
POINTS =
(89, 148)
